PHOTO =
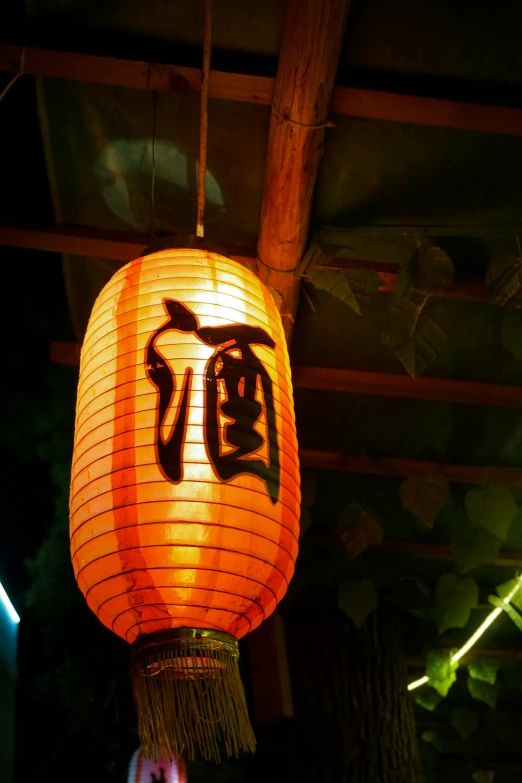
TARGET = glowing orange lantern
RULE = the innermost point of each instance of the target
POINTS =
(185, 485)
(142, 770)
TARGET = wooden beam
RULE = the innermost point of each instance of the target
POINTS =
(120, 245)
(508, 558)
(472, 292)
(404, 468)
(75, 240)
(135, 74)
(124, 246)
(372, 383)
(310, 49)
(388, 385)
(371, 104)
(347, 101)
(327, 539)
(271, 688)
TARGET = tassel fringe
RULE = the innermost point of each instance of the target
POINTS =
(188, 691)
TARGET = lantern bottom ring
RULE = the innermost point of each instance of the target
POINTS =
(194, 653)
(188, 691)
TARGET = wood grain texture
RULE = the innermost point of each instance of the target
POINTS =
(310, 49)
(246, 88)
(346, 101)
(372, 104)
(135, 74)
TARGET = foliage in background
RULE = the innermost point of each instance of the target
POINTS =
(412, 333)
(363, 575)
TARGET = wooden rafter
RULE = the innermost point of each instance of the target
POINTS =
(393, 385)
(403, 468)
(118, 245)
(124, 246)
(308, 59)
(319, 539)
(372, 383)
(135, 74)
(347, 101)
(483, 394)
(472, 292)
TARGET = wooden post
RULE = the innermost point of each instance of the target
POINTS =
(353, 714)
(271, 689)
(311, 44)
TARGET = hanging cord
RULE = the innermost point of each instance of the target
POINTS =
(203, 124)
(16, 76)
(153, 175)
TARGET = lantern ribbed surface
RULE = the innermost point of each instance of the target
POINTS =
(185, 481)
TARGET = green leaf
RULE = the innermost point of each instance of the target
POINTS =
(483, 691)
(465, 721)
(308, 488)
(428, 698)
(485, 670)
(433, 270)
(455, 600)
(440, 671)
(422, 586)
(473, 547)
(365, 283)
(402, 318)
(504, 280)
(359, 529)
(435, 738)
(413, 336)
(508, 588)
(484, 776)
(508, 609)
(425, 496)
(314, 256)
(404, 277)
(354, 287)
(492, 508)
(357, 599)
(512, 332)
(336, 284)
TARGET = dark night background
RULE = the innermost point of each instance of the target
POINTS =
(75, 717)
(58, 692)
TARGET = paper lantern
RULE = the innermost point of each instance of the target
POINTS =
(142, 770)
(185, 485)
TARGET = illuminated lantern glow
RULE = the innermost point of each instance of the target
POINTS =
(184, 504)
(142, 770)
